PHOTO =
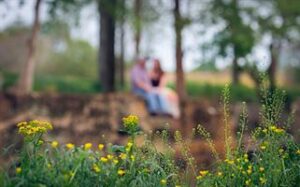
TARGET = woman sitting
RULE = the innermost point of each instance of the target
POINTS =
(159, 82)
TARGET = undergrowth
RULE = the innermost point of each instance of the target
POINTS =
(271, 158)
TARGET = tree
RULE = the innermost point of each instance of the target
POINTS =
(121, 65)
(27, 74)
(137, 25)
(235, 38)
(179, 24)
(281, 24)
(107, 19)
(106, 10)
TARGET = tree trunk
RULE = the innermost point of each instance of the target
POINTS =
(138, 26)
(106, 9)
(235, 71)
(26, 78)
(273, 65)
(122, 47)
(180, 82)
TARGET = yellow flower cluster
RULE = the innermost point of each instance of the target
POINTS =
(121, 172)
(100, 147)
(128, 146)
(70, 146)
(163, 182)
(96, 168)
(202, 174)
(54, 144)
(275, 129)
(18, 170)
(33, 127)
(130, 121)
(264, 145)
(123, 156)
(87, 146)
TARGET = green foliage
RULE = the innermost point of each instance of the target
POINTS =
(44, 163)
(207, 66)
(212, 91)
(8, 79)
(273, 159)
(66, 84)
(235, 35)
(74, 58)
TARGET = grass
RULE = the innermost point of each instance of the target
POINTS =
(66, 84)
(271, 159)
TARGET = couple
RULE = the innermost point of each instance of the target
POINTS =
(151, 86)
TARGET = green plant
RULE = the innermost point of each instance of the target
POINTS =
(46, 163)
(274, 159)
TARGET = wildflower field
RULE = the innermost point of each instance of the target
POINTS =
(271, 158)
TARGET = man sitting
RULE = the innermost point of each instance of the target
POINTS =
(141, 86)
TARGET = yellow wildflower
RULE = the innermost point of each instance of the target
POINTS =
(54, 144)
(18, 170)
(262, 180)
(248, 182)
(279, 130)
(96, 168)
(249, 171)
(87, 146)
(163, 181)
(298, 152)
(123, 156)
(40, 142)
(110, 157)
(130, 121)
(203, 172)
(219, 173)
(132, 157)
(116, 161)
(100, 147)
(273, 128)
(49, 166)
(129, 144)
(33, 127)
(261, 169)
(262, 147)
(199, 177)
(70, 146)
(229, 161)
(121, 172)
(103, 159)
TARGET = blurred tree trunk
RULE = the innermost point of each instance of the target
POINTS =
(138, 26)
(26, 78)
(180, 82)
(235, 71)
(274, 50)
(106, 10)
(122, 46)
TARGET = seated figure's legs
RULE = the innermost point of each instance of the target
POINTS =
(152, 102)
(163, 103)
